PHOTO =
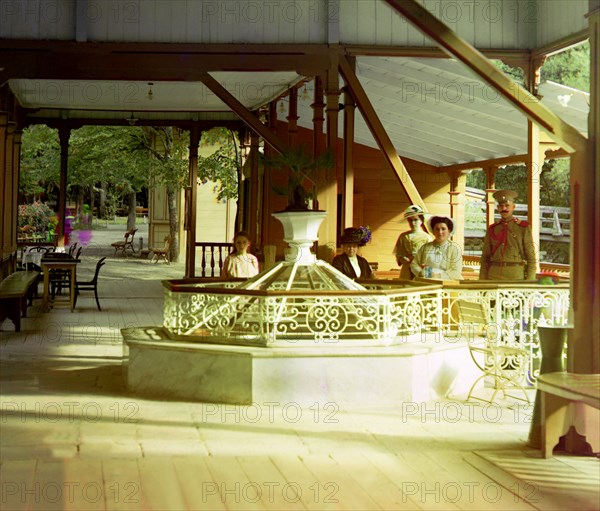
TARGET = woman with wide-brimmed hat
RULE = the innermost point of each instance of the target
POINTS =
(350, 263)
(410, 241)
(440, 258)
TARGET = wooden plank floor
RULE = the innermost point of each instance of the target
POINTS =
(73, 437)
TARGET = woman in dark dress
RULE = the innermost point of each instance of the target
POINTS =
(350, 263)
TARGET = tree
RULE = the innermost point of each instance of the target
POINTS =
(168, 150)
(570, 68)
(40, 163)
(301, 168)
(224, 165)
(109, 152)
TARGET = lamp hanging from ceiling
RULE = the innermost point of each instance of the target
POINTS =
(304, 95)
(132, 120)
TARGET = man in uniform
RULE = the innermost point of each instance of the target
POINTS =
(508, 250)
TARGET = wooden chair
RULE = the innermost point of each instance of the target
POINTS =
(72, 249)
(159, 253)
(505, 365)
(61, 279)
(126, 244)
(91, 285)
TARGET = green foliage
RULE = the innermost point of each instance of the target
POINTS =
(37, 215)
(222, 166)
(554, 181)
(302, 169)
(165, 151)
(516, 73)
(570, 68)
(40, 161)
(109, 153)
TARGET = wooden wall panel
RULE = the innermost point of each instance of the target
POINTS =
(556, 20)
(507, 24)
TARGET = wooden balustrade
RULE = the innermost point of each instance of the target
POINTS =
(212, 257)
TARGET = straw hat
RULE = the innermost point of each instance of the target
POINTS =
(412, 211)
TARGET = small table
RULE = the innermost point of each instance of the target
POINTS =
(569, 399)
(67, 264)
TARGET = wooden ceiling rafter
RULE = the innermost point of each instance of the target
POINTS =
(248, 117)
(378, 131)
(563, 133)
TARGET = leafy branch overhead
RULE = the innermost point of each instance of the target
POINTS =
(221, 166)
(302, 169)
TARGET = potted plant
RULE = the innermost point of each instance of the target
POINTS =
(302, 169)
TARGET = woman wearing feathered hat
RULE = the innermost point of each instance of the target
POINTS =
(350, 263)
(410, 241)
(440, 258)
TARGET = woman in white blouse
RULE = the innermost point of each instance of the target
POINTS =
(440, 258)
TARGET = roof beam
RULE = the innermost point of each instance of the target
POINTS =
(378, 132)
(149, 62)
(482, 164)
(561, 44)
(246, 115)
(563, 133)
(433, 52)
(507, 160)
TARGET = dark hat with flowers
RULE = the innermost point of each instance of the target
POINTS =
(356, 236)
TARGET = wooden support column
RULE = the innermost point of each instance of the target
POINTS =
(267, 190)
(253, 217)
(535, 157)
(191, 202)
(16, 161)
(63, 137)
(454, 193)
(292, 118)
(327, 185)
(8, 240)
(535, 162)
(3, 178)
(348, 176)
(490, 188)
(318, 119)
(583, 346)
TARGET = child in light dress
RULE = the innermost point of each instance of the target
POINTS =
(240, 263)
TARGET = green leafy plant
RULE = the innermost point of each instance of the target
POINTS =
(302, 169)
(38, 216)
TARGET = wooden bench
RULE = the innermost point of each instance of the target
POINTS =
(569, 399)
(16, 291)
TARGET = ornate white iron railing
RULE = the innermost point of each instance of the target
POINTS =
(214, 313)
(514, 309)
(388, 312)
